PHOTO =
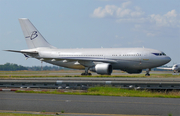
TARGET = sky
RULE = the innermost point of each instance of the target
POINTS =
(92, 24)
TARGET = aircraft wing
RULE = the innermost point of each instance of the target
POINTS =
(82, 59)
(94, 59)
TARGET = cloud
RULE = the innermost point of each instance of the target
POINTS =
(149, 24)
(171, 18)
(117, 12)
(107, 11)
(123, 12)
(150, 34)
(137, 13)
(171, 13)
(162, 24)
(134, 14)
(125, 4)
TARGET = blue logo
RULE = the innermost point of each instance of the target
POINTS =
(33, 35)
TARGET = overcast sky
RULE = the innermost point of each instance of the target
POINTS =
(92, 24)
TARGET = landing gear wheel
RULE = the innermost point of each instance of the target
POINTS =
(86, 71)
(147, 72)
(82, 73)
(86, 74)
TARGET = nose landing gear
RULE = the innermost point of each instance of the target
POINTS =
(147, 72)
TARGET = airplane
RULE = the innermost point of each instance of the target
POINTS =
(100, 60)
(175, 68)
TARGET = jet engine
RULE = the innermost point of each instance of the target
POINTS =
(102, 69)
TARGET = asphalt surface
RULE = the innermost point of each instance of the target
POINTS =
(53, 79)
(89, 104)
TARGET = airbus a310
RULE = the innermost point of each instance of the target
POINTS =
(99, 60)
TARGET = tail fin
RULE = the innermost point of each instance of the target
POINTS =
(33, 38)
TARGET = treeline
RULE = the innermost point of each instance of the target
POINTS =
(38, 68)
(12, 67)
(15, 67)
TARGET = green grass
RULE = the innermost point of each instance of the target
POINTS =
(66, 73)
(10, 76)
(112, 91)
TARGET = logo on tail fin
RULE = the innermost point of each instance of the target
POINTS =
(33, 35)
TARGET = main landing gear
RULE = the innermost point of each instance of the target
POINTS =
(147, 72)
(86, 72)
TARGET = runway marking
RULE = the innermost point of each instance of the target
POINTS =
(83, 101)
(79, 114)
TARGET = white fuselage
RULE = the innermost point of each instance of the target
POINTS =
(119, 58)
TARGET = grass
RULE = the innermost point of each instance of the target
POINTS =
(112, 91)
(19, 114)
(66, 73)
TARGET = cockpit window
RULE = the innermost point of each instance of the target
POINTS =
(159, 54)
(175, 66)
(163, 54)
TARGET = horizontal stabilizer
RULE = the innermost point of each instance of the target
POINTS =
(23, 52)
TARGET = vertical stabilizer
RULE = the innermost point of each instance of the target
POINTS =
(33, 38)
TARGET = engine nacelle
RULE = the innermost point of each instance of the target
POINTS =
(102, 69)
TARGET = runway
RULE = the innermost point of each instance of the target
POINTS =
(89, 104)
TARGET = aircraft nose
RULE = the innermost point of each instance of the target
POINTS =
(163, 60)
(167, 59)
